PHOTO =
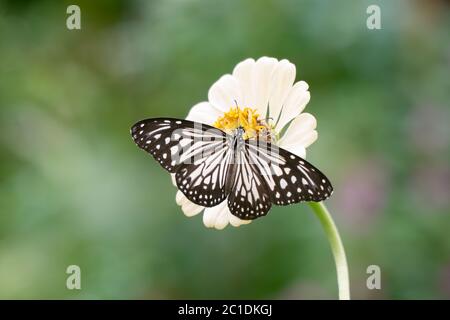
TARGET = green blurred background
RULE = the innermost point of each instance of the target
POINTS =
(74, 189)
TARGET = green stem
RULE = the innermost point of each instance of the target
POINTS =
(336, 246)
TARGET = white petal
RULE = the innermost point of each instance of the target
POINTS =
(220, 216)
(211, 214)
(299, 128)
(261, 76)
(298, 150)
(223, 218)
(190, 209)
(280, 85)
(296, 101)
(225, 92)
(236, 222)
(309, 139)
(204, 112)
(243, 73)
(301, 144)
(180, 198)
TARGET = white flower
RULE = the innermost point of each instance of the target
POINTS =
(266, 85)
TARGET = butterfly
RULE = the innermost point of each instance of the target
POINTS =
(211, 166)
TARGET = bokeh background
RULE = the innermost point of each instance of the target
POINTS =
(74, 189)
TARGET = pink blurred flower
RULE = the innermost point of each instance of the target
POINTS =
(427, 129)
(430, 187)
(362, 194)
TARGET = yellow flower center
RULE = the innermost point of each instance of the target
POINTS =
(246, 118)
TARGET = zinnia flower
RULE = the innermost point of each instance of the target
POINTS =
(263, 97)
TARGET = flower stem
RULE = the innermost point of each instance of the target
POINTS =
(336, 247)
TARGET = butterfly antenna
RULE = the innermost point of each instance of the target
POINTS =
(237, 106)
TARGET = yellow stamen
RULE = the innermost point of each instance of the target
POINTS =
(246, 118)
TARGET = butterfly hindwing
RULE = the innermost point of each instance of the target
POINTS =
(204, 180)
(290, 179)
(249, 197)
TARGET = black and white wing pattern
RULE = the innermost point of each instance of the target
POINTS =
(249, 197)
(198, 154)
(211, 166)
(204, 181)
(289, 178)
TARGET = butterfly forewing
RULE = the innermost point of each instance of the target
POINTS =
(289, 178)
(198, 154)
(173, 141)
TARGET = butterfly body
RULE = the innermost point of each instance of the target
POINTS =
(238, 139)
(211, 166)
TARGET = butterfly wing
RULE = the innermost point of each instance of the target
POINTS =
(289, 178)
(198, 154)
(207, 171)
(249, 197)
(173, 141)
(204, 180)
